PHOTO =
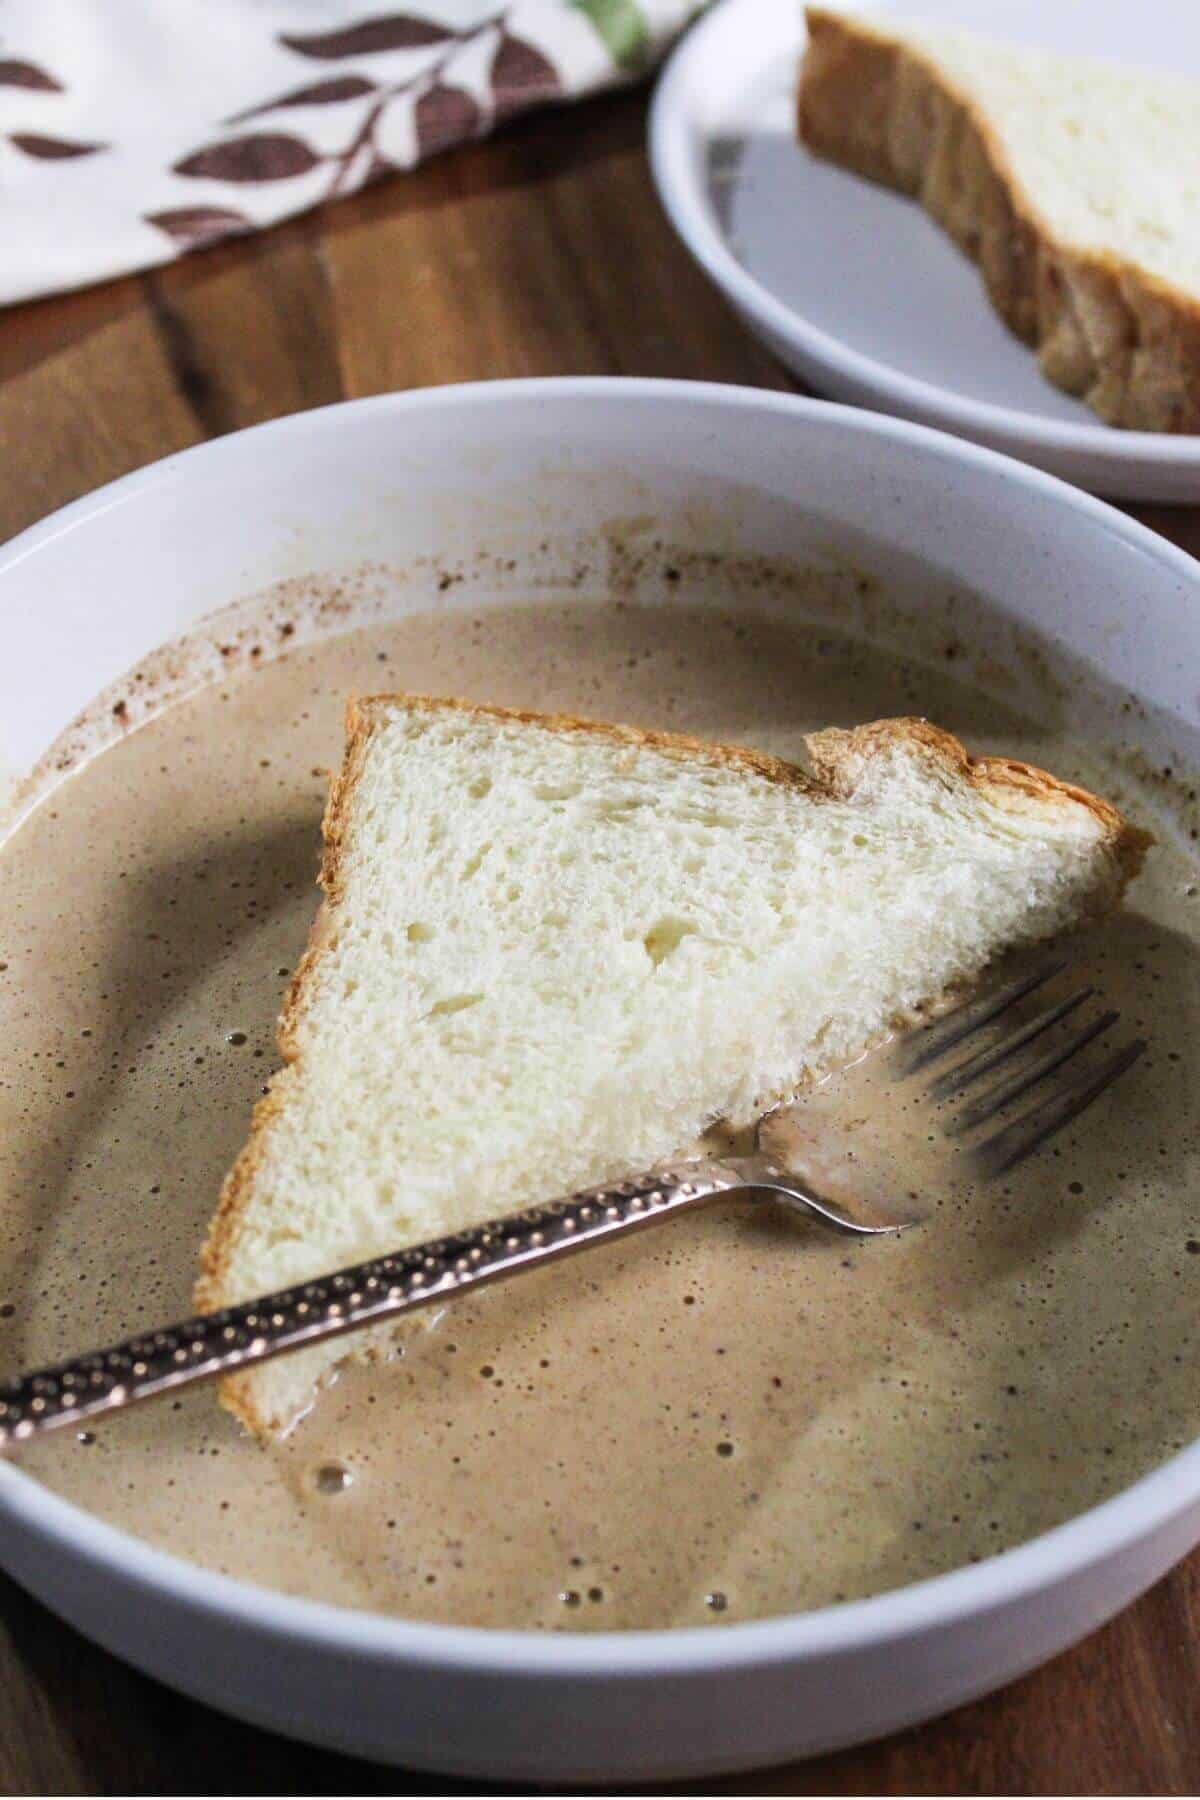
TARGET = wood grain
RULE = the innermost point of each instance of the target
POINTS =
(541, 252)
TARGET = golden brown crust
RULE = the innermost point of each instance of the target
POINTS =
(838, 757)
(1125, 341)
(674, 743)
(838, 760)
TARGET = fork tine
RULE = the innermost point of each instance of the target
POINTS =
(1031, 1130)
(933, 1040)
(984, 1061)
(999, 1096)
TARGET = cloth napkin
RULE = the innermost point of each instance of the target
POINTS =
(132, 131)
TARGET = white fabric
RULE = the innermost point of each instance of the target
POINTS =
(134, 130)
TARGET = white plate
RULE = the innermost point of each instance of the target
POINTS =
(853, 286)
(533, 475)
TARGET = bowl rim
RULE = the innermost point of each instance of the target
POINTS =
(671, 133)
(1106, 1530)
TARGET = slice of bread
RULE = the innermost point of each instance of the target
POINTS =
(1071, 181)
(551, 952)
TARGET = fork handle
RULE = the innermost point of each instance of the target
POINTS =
(215, 1344)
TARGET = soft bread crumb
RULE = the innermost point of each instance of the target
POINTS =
(553, 951)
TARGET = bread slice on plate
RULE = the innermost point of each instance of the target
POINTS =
(551, 952)
(1071, 181)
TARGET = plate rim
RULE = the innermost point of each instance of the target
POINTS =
(673, 133)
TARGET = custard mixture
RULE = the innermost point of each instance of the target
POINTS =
(735, 1416)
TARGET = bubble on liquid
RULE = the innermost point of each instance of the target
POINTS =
(235, 1037)
(725, 1448)
(570, 1596)
(716, 1601)
(85, 1437)
(332, 1478)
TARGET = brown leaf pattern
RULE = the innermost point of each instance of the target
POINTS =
(319, 93)
(51, 149)
(449, 84)
(377, 168)
(521, 76)
(14, 73)
(262, 156)
(192, 226)
(445, 115)
(394, 31)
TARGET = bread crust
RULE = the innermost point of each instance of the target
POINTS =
(839, 761)
(1125, 341)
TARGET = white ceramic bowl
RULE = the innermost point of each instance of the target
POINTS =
(450, 472)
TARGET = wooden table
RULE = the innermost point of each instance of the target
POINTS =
(542, 252)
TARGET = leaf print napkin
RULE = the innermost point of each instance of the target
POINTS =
(133, 131)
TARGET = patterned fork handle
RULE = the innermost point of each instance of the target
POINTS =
(215, 1344)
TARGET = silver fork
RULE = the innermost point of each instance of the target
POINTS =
(791, 1162)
